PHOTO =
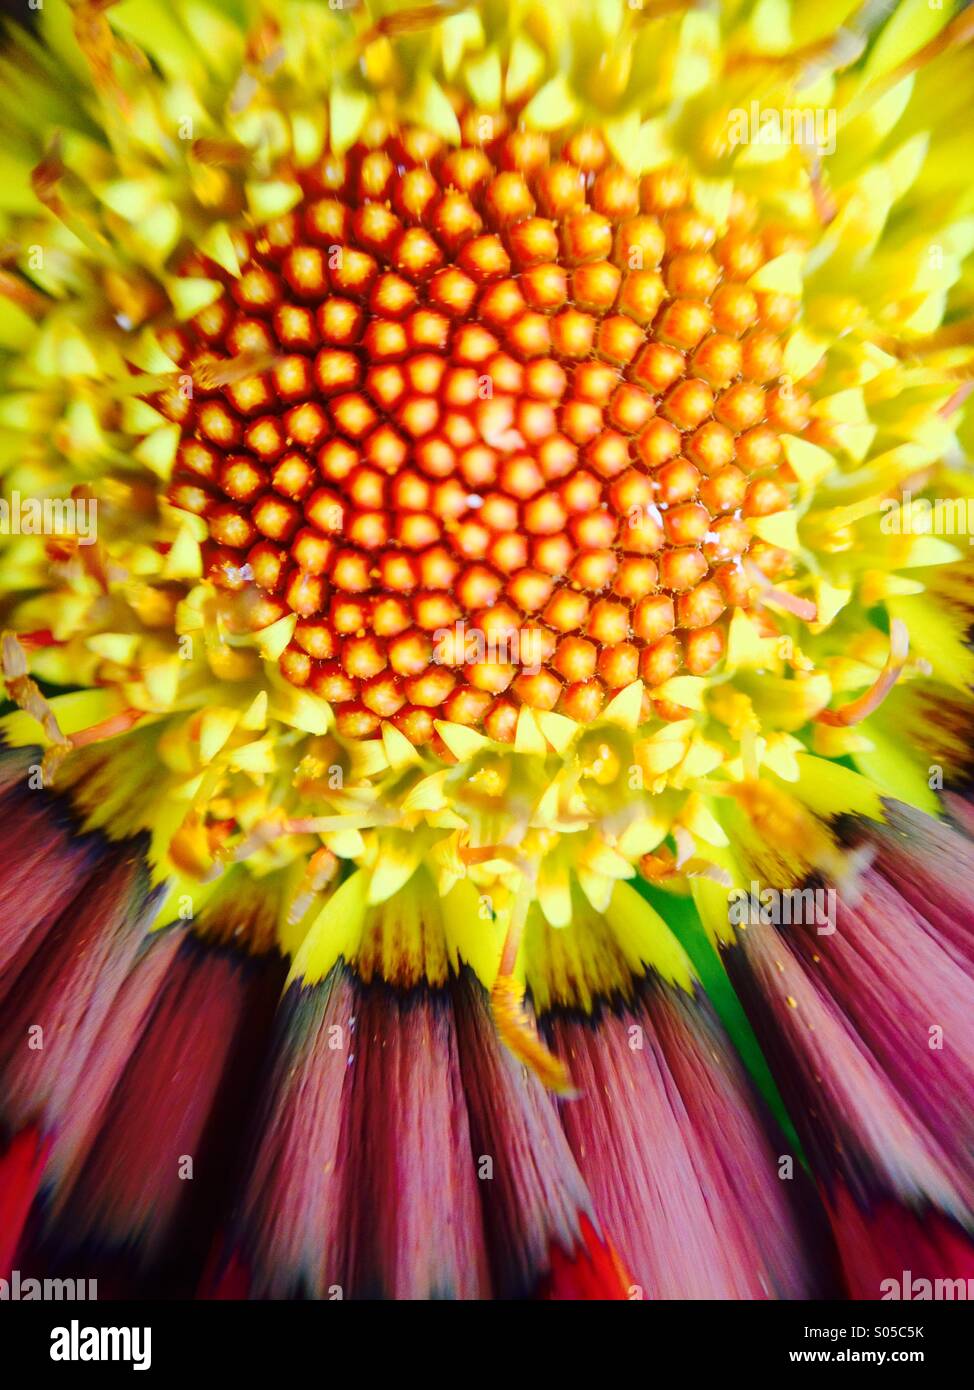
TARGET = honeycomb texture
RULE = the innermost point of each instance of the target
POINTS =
(491, 420)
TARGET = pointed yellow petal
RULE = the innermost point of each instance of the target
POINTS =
(398, 861)
(554, 891)
(528, 738)
(301, 710)
(255, 717)
(271, 641)
(158, 450)
(399, 751)
(525, 67)
(258, 757)
(646, 939)
(335, 931)
(435, 111)
(484, 79)
(553, 107)
(272, 199)
(558, 729)
(218, 245)
(347, 844)
(781, 528)
(688, 691)
(191, 294)
(643, 836)
(185, 559)
(161, 679)
(427, 795)
(700, 821)
(783, 275)
(600, 858)
(462, 742)
(624, 708)
(829, 789)
(829, 601)
(347, 112)
(216, 726)
(809, 462)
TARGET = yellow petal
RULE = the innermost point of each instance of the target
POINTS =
(335, 931)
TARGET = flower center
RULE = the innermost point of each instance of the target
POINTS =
(493, 421)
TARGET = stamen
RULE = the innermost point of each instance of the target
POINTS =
(100, 45)
(322, 868)
(18, 292)
(210, 375)
(826, 205)
(217, 152)
(411, 21)
(45, 179)
(959, 334)
(515, 1026)
(25, 692)
(801, 607)
(866, 704)
(958, 32)
(956, 400)
(111, 727)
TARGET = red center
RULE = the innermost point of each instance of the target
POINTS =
(491, 420)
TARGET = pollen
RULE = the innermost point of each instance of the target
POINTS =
(493, 423)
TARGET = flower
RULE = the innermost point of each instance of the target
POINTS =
(448, 463)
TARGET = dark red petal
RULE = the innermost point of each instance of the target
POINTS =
(890, 1241)
(152, 1097)
(540, 1220)
(931, 865)
(64, 994)
(363, 1183)
(869, 1030)
(667, 1133)
(21, 1170)
(45, 863)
